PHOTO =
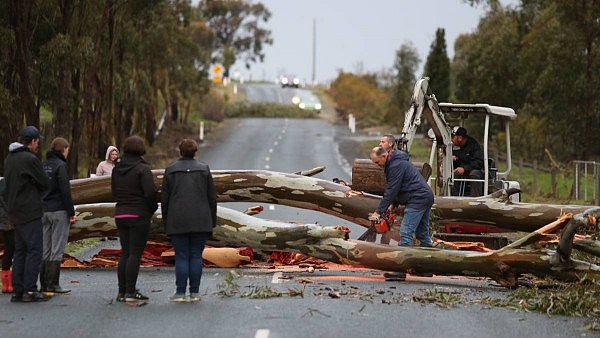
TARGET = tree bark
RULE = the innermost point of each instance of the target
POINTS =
(328, 243)
(340, 201)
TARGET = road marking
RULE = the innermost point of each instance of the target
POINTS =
(279, 137)
(267, 166)
(271, 207)
(275, 143)
(267, 158)
(271, 150)
(276, 276)
(262, 333)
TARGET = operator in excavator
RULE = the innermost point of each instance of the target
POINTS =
(467, 156)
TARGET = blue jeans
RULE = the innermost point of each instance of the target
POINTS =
(188, 259)
(28, 256)
(415, 222)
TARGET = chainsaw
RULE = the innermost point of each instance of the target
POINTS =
(384, 224)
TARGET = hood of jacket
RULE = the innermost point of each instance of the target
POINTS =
(108, 151)
(16, 146)
(126, 163)
(396, 155)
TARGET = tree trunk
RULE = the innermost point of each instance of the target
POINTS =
(329, 243)
(340, 201)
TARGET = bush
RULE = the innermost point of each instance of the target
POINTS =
(244, 109)
(213, 107)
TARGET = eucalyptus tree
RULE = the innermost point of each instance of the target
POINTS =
(238, 30)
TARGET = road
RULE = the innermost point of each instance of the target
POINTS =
(367, 305)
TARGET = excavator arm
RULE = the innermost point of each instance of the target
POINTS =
(424, 104)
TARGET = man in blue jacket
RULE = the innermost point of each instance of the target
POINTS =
(405, 186)
(25, 184)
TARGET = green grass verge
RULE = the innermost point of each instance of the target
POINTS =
(244, 109)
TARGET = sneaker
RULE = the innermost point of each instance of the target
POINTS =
(16, 297)
(194, 297)
(178, 298)
(135, 296)
(121, 297)
(34, 296)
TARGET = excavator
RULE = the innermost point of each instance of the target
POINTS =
(424, 105)
(439, 170)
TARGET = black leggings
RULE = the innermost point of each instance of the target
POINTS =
(133, 233)
(8, 240)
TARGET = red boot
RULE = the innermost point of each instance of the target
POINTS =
(7, 281)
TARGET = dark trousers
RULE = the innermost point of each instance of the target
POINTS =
(133, 233)
(8, 240)
(28, 256)
(472, 189)
(188, 260)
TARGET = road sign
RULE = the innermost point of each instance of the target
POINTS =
(217, 73)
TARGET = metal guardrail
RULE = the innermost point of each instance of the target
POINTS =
(587, 178)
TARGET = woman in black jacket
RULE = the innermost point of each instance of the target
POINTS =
(133, 189)
(189, 211)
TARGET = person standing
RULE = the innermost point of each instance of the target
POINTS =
(387, 142)
(106, 167)
(406, 186)
(59, 214)
(189, 211)
(132, 187)
(7, 230)
(467, 157)
(25, 184)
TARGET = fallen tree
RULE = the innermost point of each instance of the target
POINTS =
(339, 200)
(330, 243)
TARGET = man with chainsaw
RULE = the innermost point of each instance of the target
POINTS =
(407, 187)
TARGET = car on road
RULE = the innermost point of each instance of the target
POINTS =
(289, 81)
(308, 102)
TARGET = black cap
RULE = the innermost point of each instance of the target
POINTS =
(460, 131)
(30, 132)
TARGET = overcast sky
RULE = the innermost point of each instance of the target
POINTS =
(355, 32)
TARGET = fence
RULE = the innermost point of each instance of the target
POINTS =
(586, 180)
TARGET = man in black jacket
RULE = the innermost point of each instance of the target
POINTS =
(25, 184)
(467, 156)
(59, 214)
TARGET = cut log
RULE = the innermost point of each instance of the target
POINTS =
(339, 200)
(328, 243)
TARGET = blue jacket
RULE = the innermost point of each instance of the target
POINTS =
(58, 195)
(405, 185)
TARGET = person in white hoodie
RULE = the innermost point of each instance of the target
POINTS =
(105, 167)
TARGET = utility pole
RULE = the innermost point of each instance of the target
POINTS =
(314, 56)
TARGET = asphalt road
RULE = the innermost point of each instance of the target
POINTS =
(367, 305)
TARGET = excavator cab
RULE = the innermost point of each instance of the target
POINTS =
(490, 126)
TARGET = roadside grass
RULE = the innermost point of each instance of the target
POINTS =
(244, 109)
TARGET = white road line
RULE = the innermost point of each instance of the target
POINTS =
(267, 158)
(275, 143)
(271, 150)
(267, 166)
(262, 333)
(276, 276)
(271, 207)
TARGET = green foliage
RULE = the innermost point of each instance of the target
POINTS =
(579, 299)
(405, 65)
(230, 288)
(237, 30)
(261, 109)
(437, 67)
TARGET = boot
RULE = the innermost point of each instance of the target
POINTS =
(7, 281)
(54, 279)
(43, 278)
